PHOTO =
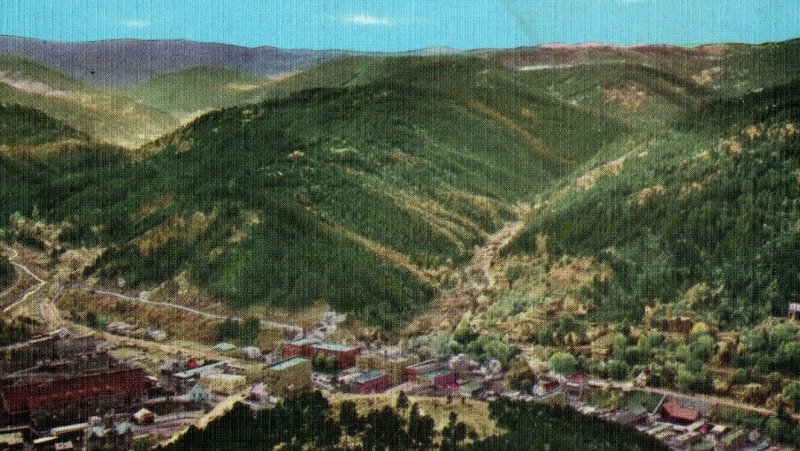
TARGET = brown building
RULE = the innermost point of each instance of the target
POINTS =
(289, 376)
(309, 348)
(73, 398)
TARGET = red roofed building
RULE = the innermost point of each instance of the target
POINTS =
(675, 412)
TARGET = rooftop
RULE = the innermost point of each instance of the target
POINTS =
(303, 341)
(368, 376)
(224, 346)
(334, 347)
(436, 373)
(200, 369)
(225, 376)
(288, 363)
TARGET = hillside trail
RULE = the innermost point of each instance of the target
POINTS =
(478, 279)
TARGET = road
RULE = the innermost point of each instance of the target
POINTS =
(124, 297)
(30, 291)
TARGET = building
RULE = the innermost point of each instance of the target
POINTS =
(12, 441)
(252, 352)
(393, 364)
(200, 394)
(373, 381)
(182, 381)
(439, 378)
(298, 348)
(679, 414)
(224, 347)
(345, 355)
(226, 384)
(309, 348)
(156, 334)
(144, 416)
(794, 309)
(414, 371)
(464, 366)
(116, 435)
(74, 398)
(290, 376)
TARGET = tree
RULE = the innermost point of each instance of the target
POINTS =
(91, 319)
(384, 429)
(703, 347)
(425, 432)
(330, 364)
(421, 429)
(454, 433)
(349, 418)
(563, 363)
(249, 330)
(402, 401)
(619, 345)
(792, 393)
(617, 369)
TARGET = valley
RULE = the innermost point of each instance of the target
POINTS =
(627, 216)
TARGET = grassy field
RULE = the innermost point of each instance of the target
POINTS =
(475, 414)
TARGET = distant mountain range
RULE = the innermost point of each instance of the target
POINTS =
(126, 62)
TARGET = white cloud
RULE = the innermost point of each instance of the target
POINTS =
(366, 19)
(136, 23)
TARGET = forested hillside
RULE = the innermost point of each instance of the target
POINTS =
(714, 201)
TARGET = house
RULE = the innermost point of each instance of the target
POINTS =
(289, 376)
(252, 352)
(794, 309)
(576, 384)
(200, 394)
(64, 446)
(373, 381)
(547, 387)
(224, 347)
(116, 435)
(72, 433)
(156, 334)
(12, 441)
(463, 365)
(226, 384)
(144, 416)
(345, 355)
(679, 414)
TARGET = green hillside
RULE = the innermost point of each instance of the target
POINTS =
(184, 92)
(355, 196)
(27, 126)
(712, 201)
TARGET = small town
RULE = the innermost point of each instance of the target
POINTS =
(62, 391)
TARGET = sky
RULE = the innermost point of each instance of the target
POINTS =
(399, 25)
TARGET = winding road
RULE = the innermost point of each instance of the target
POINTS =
(31, 290)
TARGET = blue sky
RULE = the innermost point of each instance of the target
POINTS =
(396, 25)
